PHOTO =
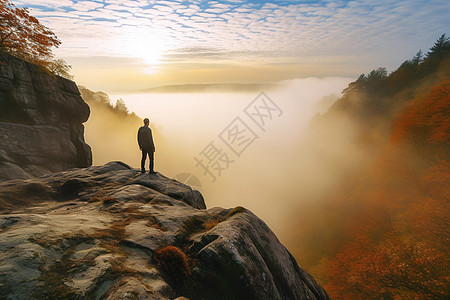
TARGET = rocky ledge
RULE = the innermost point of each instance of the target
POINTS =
(110, 232)
(41, 121)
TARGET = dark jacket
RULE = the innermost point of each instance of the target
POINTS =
(145, 138)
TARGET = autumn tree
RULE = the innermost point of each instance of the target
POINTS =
(60, 67)
(22, 35)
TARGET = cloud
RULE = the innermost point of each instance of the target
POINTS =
(86, 6)
(45, 3)
(163, 8)
(383, 31)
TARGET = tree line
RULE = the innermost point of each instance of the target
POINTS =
(384, 232)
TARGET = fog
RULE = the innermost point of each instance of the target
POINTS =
(341, 191)
(269, 176)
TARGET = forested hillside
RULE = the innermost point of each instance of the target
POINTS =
(111, 130)
(383, 231)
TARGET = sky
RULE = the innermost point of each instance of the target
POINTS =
(130, 45)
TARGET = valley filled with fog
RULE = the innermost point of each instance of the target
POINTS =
(264, 177)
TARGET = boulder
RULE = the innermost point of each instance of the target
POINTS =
(41, 118)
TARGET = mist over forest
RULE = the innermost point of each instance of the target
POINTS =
(363, 187)
(268, 183)
(374, 219)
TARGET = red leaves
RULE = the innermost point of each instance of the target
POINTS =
(22, 35)
(399, 241)
(429, 114)
(172, 260)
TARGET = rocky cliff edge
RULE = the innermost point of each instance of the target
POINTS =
(110, 232)
(41, 118)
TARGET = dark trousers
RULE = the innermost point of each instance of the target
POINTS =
(146, 152)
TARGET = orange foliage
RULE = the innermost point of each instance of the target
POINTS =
(210, 224)
(24, 36)
(427, 120)
(399, 245)
(398, 267)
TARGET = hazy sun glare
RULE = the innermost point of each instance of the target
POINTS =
(146, 45)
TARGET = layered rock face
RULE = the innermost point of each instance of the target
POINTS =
(41, 118)
(110, 232)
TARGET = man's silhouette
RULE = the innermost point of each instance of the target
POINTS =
(145, 140)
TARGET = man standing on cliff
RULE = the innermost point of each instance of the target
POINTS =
(145, 140)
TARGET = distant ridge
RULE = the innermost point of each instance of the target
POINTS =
(213, 87)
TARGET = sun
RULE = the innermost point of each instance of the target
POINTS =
(149, 50)
(146, 45)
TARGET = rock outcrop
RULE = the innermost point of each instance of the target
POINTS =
(41, 118)
(111, 232)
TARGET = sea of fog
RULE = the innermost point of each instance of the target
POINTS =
(237, 148)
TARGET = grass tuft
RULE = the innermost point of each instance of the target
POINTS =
(210, 224)
(172, 260)
(104, 200)
(94, 199)
(108, 200)
(191, 226)
(236, 210)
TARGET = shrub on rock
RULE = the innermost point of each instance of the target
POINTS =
(172, 260)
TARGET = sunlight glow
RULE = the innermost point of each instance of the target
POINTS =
(145, 44)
